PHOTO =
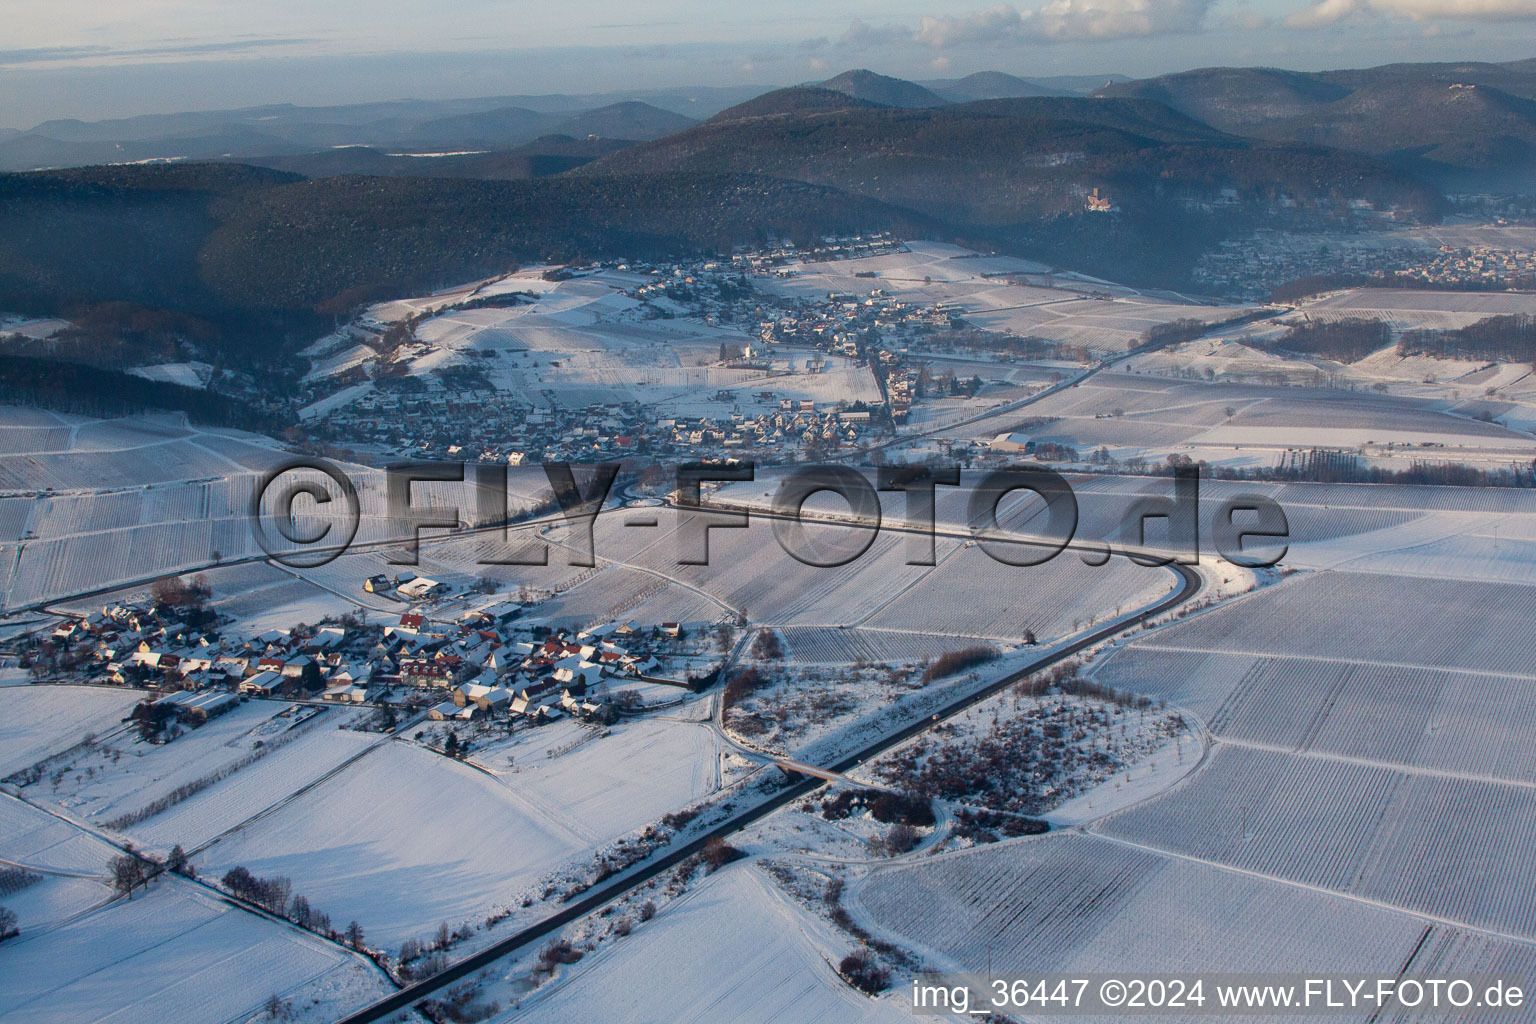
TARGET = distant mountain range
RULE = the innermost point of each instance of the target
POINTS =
(297, 214)
(271, 132)
(1462, 125)
(489, 123)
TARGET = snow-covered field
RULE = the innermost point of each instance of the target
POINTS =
(1372, 617)
(246, 759)
(582, 341)
(1367, 790)
(405, 838)
(1136, 413)
(733, 949)
(36, 721)
(36, 839)
(1074, 902)
(176, 953)
(1058, 307)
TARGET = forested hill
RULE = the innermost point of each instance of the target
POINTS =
(259, 255)
(1008, 162)
(1472, 124)
(1015, 173)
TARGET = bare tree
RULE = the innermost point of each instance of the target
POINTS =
(128, 872)
(178, 863)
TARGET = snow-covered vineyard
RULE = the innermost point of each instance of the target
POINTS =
(358, 773)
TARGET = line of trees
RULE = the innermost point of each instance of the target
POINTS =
(952, 663)
(276, 895)
(1507, 338)
(1344, 341)
(191, 789)
(132, 869)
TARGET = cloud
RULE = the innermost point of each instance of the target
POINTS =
(991, 25)
(1061, 20)
(1327, 12)
(62, 54)
(1250, 21)
(861, 34)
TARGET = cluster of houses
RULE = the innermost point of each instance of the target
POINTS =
(1250, 267)
(484, 664)
(1478, 264)
(462, 418)
(598, 432)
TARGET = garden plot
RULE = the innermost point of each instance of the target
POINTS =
(809, 712)
(406, 838)
(1025, 755)
(121, 775)
(178, 954)
(1368, 617)
(1074, 902)
(734, 949)
(38, 721)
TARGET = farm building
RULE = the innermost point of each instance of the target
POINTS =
(262, 684)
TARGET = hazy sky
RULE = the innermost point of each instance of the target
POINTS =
(92, 59)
